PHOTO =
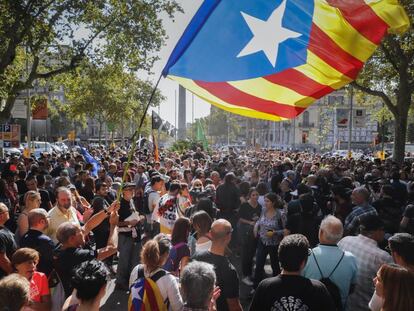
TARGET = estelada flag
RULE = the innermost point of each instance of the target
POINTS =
(270, 59)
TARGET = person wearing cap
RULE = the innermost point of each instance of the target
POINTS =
(401, 246)
(129, 236)
(369, 259)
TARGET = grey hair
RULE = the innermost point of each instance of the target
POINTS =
(197, 283)
(362, 191)
(65, 231)
(332, 228)
(62, 189)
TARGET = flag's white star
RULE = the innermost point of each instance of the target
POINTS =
(267, 35)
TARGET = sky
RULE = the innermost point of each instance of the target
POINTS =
(168, 87)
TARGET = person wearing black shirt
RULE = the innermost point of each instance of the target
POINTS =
(36, 239)
(228, 201)
(71, 253)
(389, 210)
(99, 203)
(249, 213)
(7, 243)
(129, 236)
(227, 278)
(289, 290)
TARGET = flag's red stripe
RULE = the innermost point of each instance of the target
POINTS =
(150, 295)
(233, 96)
(362, 18)
(326, 49)
(300, 83)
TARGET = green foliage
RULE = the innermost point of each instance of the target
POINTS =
(221, 123)
(389, 75)
(107, 94)
(181, 146)
(58, 35)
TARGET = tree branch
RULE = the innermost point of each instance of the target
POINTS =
(380, 94)
(388, 56)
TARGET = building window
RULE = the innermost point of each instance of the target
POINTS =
(305, 118)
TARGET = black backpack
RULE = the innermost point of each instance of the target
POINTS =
(331, 286)
(145, 206)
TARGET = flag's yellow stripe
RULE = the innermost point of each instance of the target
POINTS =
(391, 12)
(323, 73)
(267, 90)
(331, 21)
(243, 111)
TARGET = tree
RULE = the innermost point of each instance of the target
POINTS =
(389, 75)
(56, 35)
(107, 94)
(221, 124)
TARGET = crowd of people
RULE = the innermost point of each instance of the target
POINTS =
(185, 231)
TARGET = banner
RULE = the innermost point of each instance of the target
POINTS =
(39, 111)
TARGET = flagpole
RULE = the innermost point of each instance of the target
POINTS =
(351, 105)
(134, 138)
(175, 115)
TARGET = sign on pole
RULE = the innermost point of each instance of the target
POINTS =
(9, 135)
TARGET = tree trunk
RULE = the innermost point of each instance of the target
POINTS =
(400, 129)
(100, 132)
(5, 114)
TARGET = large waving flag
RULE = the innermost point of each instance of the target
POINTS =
(270, 59)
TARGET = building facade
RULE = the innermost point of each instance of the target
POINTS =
(323, 126)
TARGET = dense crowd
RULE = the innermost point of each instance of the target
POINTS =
(338, 232)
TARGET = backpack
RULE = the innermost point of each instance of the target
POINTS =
(145, 294)
(330, 285)
(172, 265)
(57, 291)
(145, 204)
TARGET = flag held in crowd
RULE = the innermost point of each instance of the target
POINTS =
(162, 125)
(91, 160)
(271, 59)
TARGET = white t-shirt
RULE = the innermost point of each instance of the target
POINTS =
(168, 286)
(203, 246)
(168, 206)
(153, 199)
(376, 302)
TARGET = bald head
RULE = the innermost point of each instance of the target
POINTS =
(220, 229)
(331, 230)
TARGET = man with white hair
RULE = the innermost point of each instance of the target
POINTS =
(195, 276)
(329, 261)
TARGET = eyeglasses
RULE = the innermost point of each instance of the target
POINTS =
(229, 232)
(2, 212)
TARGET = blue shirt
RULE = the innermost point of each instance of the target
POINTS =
(328, 257)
